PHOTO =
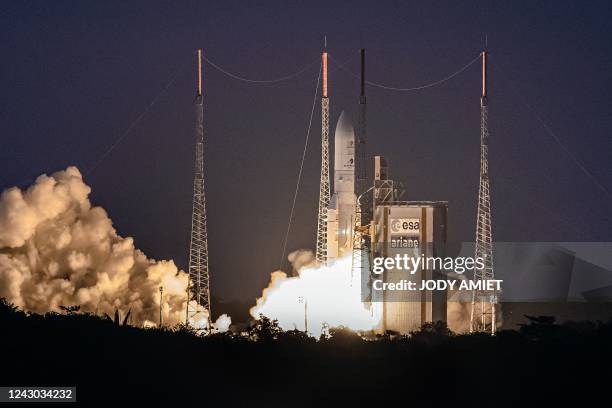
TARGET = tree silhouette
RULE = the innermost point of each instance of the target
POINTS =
(117, 319)
(265, 329)
(270, 367)
(70, 310)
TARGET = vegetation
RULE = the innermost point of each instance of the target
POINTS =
(542, 361)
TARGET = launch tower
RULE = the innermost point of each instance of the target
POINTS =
(198, 291)
(482, 316)
(321, 254)
(360, 150)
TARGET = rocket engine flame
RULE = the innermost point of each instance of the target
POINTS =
(320, 296)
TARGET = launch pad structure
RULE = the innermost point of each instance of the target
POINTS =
(358, 215)
(365, 223)
(483, 310)
(321, 252)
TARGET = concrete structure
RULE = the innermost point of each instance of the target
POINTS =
(415, 228)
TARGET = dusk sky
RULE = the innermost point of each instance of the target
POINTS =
(76, 75)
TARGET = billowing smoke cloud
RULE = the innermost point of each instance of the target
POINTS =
(320, 296)
(56, 249)
(459, 308)
(330, 296)
(223, 323)
(300, 259)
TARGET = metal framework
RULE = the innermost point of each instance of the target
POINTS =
(482, 316)
(361, 210)
(360, 233)
(387, 191)
(198, 291)
(321, 254)
(361, 153)
(360, 239)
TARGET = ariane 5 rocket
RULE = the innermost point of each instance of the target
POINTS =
(341, 211)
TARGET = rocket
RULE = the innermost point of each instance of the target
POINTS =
(347, 184)
(341, 210)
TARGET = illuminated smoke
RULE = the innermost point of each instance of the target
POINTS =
(324, 295)
(223, 323)
(56, 249)
(300, 259)
(459, 308)
(458, 316)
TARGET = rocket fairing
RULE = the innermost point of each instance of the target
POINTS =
(341, 211)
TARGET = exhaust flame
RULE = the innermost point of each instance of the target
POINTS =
(320, 296)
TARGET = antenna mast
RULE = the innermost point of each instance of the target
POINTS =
(361, 153)
(198, 291)
(482, 316)
(321, 254)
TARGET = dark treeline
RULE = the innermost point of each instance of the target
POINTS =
(543, 362)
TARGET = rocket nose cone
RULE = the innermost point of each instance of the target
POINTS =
(345, 125)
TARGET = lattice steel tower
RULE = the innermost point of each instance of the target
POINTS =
(198, 291)
(482, 316)
(321, 254)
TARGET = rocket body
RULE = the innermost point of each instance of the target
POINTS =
(341, 211)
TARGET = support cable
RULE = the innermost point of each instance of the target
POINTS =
(552, 134)
(337, 67)
(137, 120)
(519, 191)
(259, 81)
(420, 87)
(297, 186)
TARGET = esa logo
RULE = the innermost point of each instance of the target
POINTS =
(406, 225)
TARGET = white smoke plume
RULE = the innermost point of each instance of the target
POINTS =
(56, 249)
(223, 323)
(321, 296)
(459, 308)
(300, 259)
(331, 296)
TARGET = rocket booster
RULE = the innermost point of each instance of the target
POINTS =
(340, 214)
(344, 157)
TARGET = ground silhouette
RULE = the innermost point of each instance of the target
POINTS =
(541, 363)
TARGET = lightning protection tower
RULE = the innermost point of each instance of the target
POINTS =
(482, 316)
(198, 291)
(361, 154)
(321, 254)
